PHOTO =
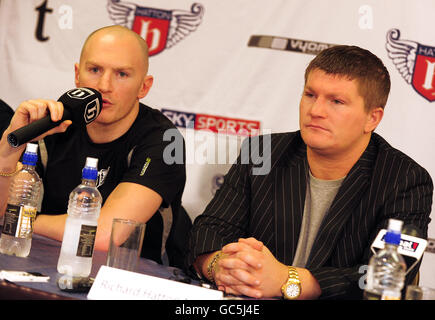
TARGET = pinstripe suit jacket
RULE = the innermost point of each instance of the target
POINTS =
(383, 184)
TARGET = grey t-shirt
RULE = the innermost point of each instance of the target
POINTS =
(318, 199)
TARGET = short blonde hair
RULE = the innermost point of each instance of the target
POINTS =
(118, 28)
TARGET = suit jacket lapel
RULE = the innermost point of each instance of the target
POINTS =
(345, 202)
(290, 180)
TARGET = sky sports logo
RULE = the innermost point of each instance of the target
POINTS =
(217, 140)
(212, 123)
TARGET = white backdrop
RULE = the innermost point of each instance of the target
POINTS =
(232, 64)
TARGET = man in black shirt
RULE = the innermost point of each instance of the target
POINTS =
(127, 137)
(6, 114)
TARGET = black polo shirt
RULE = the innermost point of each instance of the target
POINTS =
(137, 157)
(6, 113)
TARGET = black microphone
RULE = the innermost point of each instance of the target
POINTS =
(81, 105)
(412, 244)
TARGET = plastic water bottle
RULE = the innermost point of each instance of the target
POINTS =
(84, 206)
(386, 271)
(25, 195)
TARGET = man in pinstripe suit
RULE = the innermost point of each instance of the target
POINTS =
(331, 187)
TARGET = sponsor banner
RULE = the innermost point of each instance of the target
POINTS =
(247, 59)
(160, 28)
(415, 63)
(213, 123)
(288, 44)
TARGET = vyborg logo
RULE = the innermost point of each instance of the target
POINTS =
(288, 44)
(415, 63)
(160, 28)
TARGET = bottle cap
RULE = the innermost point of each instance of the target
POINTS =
(393, 234)
(90, 170)
(91, 162)
(395, 225)
(32, 147)
(30, 156)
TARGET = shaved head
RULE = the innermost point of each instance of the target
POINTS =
(119, 32)
(114, 61)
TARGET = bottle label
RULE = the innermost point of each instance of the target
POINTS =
(370, 278)
(19, 220)
(390, 295)
(86, 241)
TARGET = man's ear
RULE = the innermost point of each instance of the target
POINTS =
(146, 86)
(76, 72)
(374, 117)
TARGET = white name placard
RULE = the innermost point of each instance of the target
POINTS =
(117, 284)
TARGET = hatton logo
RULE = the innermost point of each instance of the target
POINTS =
(92, 110)
(80, 93)
(160, 28)
(415, 63)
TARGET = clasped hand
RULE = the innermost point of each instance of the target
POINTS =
(247, 267)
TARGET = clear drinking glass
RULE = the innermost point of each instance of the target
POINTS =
(419, 293)
(125, 244)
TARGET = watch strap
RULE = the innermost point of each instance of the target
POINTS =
(293, 273)
(293, 279)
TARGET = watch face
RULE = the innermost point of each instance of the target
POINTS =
(292, 290)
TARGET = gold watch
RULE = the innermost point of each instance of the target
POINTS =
(291, 289)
